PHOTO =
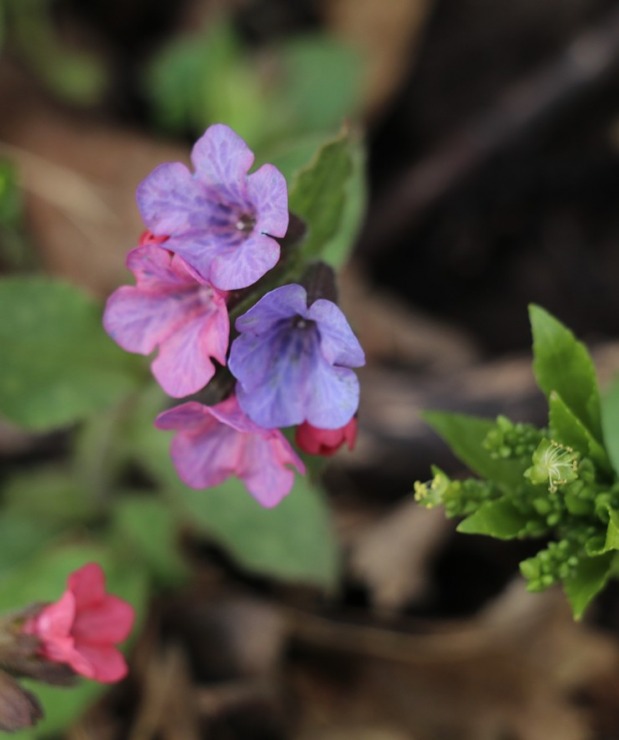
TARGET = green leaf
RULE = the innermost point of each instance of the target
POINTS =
(58, 365)
(293, 541)
(587, 580)
(563, 364)
(465, 435)
(20, 537)
(500, 519)
(49, 495)
(612, 532)
(318, 194)
(145, 529)
(322, 81)
(568, 429)
(610, 422)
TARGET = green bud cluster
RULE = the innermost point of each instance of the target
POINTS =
(509, 440)
(556, 563)
(459, 497)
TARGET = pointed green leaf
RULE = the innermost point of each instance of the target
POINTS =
(58, 365)
(588, 579)
(500, 519)
(568, 429)
(318, 194)
(610, 422)
(563, 364)
(465, 435)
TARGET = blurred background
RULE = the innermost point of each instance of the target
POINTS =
(491, 181)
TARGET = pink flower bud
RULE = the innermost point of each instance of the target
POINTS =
(84, 626)
(325, 442)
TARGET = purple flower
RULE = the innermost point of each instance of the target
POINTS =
(173, 308)
(292, 361)
(220, 219)
(216, 442)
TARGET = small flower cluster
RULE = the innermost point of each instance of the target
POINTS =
(209, 235)
(51, 643)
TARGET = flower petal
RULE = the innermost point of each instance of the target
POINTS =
(102, 663)
(184, 363)
(110, 621)
(264, 468)
(87, 584)
(267, 191)
(171, 201)
(284, 302)
(333, 396)
(243, 264)
(338, 343)
(220, 156)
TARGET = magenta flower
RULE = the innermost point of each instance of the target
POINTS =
(84, 626)
(325, 442)
(220, 219)
(214, 443)
(172, 308)
(293, 361)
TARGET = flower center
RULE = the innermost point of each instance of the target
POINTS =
(245, 223)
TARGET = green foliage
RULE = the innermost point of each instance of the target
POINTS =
(563, 365)
(610, 422)
(555, 482)
(328, 194)
(500, 519)
(58, 366)
(304, 85)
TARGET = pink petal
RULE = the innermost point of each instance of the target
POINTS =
(267, 191)
(265, 469)
(158, 269)
(108, 622)
(209, 456)
(184, 365)
(139, 321)
(55, 620)
(220, 156)
(100, 662)
(87, 584)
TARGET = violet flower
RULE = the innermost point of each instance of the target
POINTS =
(220, 219)
(214, 443)
(171, 307)
(293, 361)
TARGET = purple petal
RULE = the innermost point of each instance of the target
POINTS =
(281, 303)
(266, 189)
(221, 156)
(338, 343)
(244, 264)
(332, 396)
(171, 201)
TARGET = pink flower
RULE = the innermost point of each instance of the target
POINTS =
(219, 219)
(173, 308)
(216, 442)
(325, 441)
(83, 627)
